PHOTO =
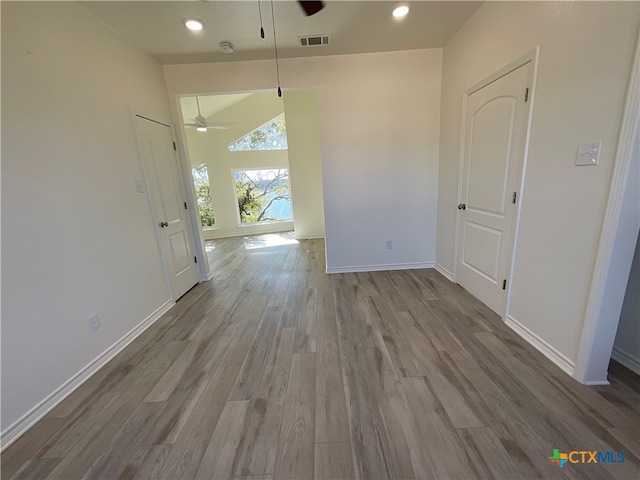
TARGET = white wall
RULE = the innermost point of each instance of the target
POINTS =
(585, 58)
(305, 166)
(212, 148)
(379, 128)
(626, 348)
(77, 238)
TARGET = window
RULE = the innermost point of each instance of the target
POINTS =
(203, 194)
(263, 195)
(270, 136)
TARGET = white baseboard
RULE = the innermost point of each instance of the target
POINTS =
(541, 345)
(250, 229)
(207, 277)
(20, 426)
(446, 273)
(309, 237)
(593, 383)
(625, 358)
(379, 268)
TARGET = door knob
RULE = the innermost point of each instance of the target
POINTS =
(163, 224)
(462, 206)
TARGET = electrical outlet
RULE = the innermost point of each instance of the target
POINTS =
(389, 244)
(94, 322)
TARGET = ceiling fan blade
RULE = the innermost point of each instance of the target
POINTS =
(190, 124)
(311, 7)
(217, 127)
(219, 124)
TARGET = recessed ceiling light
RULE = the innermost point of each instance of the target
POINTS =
(193, 24)
(400, 11)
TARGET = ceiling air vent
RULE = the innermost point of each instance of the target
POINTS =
(314, 40)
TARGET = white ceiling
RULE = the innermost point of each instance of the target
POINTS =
(209, 104)
(355, 26)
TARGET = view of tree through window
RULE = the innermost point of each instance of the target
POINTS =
(263, 195)
(203, 194)
(270, 136)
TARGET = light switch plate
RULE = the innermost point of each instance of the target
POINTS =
(588, 153)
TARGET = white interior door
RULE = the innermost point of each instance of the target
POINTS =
(495, 130)
(168, 204)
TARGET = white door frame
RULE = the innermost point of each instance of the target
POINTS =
(135, 114)
(595, 347)
(530, 57)
(184, 161)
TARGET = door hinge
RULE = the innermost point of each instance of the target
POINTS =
(526, 94)
(174, 146)
(185, 205)
(514, 197)
(504, 284)
(195, 259)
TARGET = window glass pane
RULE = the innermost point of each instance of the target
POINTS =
(203, 194)
(263, 195)
(270, 136)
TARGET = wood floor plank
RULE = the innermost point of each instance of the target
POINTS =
(462, 409)
(150, 466)
(29, 445)
(331, 422)
(219, 460)
(526, 429)
(441, 441)
(248, 315)
(395, 341)
(248, 382)
(382, 446)
(68, 437)
(259, 445)
(306, 323)
(131, 443)
(184, 458)
(100, 432)
(490, 459)
(186, 394)
(333, 461)
(296, 440)
(36, 468)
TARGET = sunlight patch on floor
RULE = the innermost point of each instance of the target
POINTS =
(269, 240)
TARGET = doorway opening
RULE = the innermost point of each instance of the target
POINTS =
(237, 146)
(255, 163)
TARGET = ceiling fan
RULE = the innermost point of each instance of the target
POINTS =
(311, 7)
(202, 125)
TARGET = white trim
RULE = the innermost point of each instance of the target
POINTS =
(381, 267)
(266, 231)
(597, 382)
(207, 277)
(445, 273)
(625, 358)
(628, 128)
(20, 426)
(309, 237)
(521, 190)
(565, 364)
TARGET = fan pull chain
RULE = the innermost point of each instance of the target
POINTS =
(260, 12)
(275, 46)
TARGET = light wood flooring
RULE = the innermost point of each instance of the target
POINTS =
(276, 370)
